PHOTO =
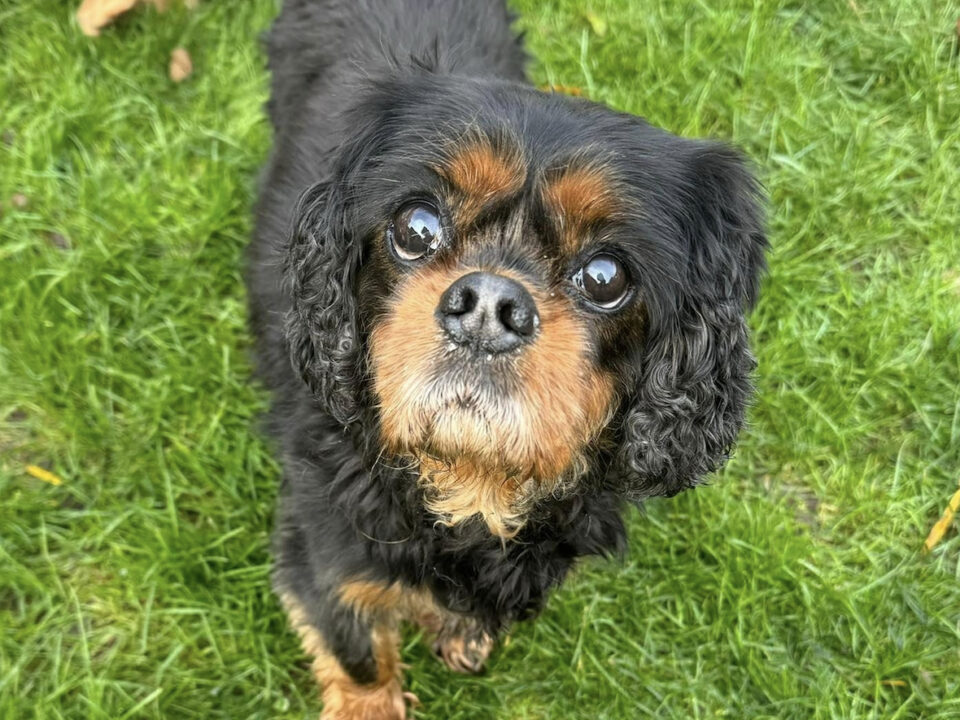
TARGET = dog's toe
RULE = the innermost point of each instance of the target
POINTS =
(464, 655)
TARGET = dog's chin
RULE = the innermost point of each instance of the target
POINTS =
(467, 415)
(476, 456)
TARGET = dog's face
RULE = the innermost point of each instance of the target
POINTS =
(527, 291)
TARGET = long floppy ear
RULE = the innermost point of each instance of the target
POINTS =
(322, 326)
(693, 385)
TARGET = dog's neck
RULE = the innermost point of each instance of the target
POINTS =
(457, 490)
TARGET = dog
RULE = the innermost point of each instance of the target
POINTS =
(490, 317)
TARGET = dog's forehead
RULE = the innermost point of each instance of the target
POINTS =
(574, 187)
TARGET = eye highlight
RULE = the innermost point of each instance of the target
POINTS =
(415, 231)
(603, 280)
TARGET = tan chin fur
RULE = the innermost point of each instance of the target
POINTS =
(483, 454)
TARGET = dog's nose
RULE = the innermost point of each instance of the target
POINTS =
(487, 311)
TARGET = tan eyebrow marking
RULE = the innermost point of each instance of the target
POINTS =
(579, 198)
(483, 174)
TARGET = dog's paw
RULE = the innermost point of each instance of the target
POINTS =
(464, 653)
(382, 702)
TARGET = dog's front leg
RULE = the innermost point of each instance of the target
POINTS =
(355, 658)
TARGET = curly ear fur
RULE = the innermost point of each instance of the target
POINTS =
(694, 384)
(322, 326)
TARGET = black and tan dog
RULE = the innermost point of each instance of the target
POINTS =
(489, 316)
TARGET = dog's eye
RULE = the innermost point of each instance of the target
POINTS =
(603, 280)
(416, 230)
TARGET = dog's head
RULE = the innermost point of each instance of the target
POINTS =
(525, 292)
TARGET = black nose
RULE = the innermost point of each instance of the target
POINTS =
(487, 311)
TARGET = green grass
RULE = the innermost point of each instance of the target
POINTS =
(794, 587)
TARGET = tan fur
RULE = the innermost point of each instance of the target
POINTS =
(459, 648)
(482, 174)
(373, 599)
(367, 596)
(343, 699)
(579, 198)
(483, 454)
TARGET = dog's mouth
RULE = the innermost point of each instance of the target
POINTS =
(495, 412)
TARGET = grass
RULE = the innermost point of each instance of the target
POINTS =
(793, 587)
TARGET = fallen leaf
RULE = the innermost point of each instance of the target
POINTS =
(597, 23)
(94, 15)
(564, 89)
(19, 201)
(58, 240)
(939, 528)
(893, 683)
(40, 474)
(952, 278)
(180, 65)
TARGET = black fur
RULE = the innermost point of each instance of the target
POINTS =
(365, 92)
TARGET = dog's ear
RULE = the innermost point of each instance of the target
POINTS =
(322, 326)
(693, 381)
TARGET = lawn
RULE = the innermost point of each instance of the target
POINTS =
(795, 586)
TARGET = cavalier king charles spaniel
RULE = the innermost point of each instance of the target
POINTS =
(490, 318)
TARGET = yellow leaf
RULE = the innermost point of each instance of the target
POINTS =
(564, 89)
(180, 65)
(40, 474)
(597, 23)
(939, 528)
(893, 683)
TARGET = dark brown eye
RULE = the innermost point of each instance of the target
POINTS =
(416, 230)
(603, 280)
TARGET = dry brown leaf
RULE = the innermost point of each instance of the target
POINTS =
(939, 528)
(94, 15)
(19, 201)
(180, 65)
(58, 240)
(41, 474)
(894, 683)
